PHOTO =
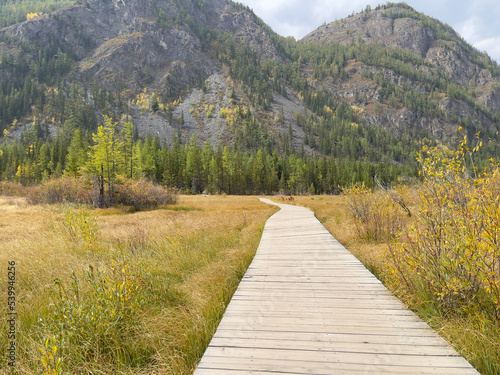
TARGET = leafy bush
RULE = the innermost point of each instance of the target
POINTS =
(82, 228)
(451, 253)
(62, 190)
(139, 194)
(12, 189)
(376, 216)
(143, 194)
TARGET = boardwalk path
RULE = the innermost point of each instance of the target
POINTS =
(307, 306)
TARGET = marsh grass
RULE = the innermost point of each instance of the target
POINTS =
(105, 291)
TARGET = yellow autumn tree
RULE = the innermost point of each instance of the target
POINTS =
(31, 15)
(143, 101)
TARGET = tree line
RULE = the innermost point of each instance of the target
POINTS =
(188, 167)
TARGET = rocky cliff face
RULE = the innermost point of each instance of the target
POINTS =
(386, 28)
(137, 44)
(373, 26)
(123, 40)
(447, 56)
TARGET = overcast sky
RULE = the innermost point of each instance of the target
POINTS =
(477, 21)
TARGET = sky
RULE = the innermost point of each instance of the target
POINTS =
(477, 21)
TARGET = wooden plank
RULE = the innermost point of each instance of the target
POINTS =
(217, 365)
(430, 340)
(308, 306)
(336, 318)
(331, 357)
(336, 346)
(317, 327)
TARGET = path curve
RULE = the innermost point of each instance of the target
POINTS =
(307, 306)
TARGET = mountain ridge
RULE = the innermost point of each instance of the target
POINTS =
(390, 68)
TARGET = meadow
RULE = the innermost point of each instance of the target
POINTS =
(107, 291)
(104, 290)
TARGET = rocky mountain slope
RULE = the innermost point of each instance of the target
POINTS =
(437, 53)
(118, 40)
(394, 69)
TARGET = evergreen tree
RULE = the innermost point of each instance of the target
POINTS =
(77, 154)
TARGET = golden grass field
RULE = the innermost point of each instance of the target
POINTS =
(188, 257)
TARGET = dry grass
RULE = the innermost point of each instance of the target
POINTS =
(189, 256)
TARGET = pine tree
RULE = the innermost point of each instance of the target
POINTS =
(127, 135)
(194, 167)
(77, 154)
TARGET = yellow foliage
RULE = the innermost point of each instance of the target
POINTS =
(329, 110)
(32, 15)
(232, 115)
(51, 361)
(358, 110)
(209, 109)
(81, 227)
(143, 101)
(452, 250)
(228, 114)
(177, 102)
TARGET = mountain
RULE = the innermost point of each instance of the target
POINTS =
(367, 88)
(461, 84)
(125, 46)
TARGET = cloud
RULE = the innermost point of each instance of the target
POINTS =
(475, 20)
(473, 31)
(491, 46)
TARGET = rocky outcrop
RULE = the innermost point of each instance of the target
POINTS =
(375, 27)
(122, 41)
(446, 57)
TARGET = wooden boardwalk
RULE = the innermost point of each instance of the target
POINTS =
(307, 306)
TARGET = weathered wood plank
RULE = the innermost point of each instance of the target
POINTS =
(308, 306)
(217, 365)
(430, 340)
(336, 346)
(340, 357)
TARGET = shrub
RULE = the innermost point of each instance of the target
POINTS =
(12, 189)
(451, 254)
(82, 228)
(61, 190)
(94, 314)
(139, 194)
(143, 194)
(378, 215)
